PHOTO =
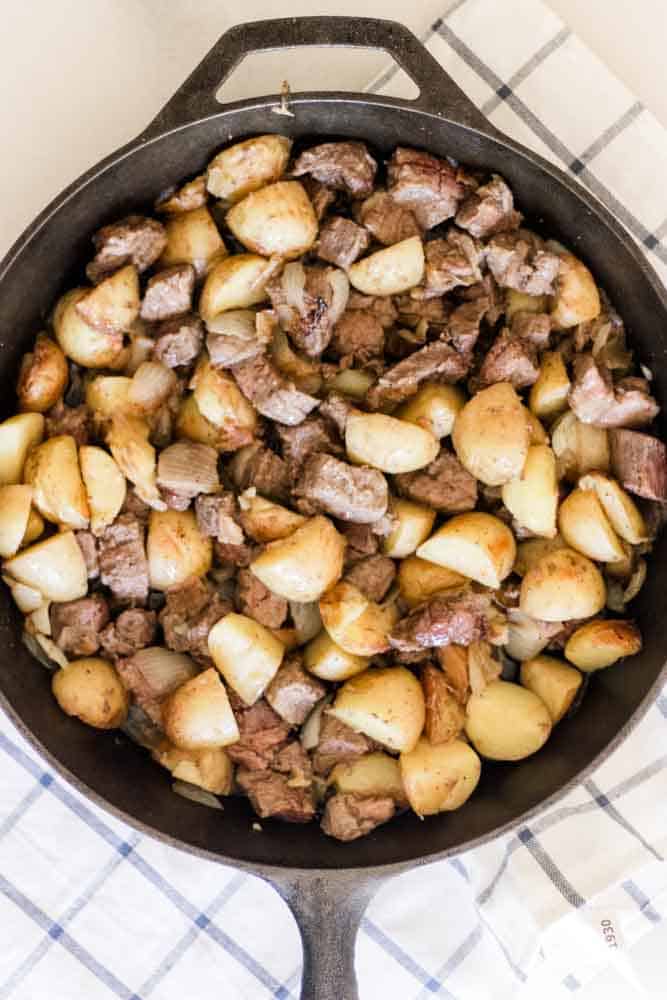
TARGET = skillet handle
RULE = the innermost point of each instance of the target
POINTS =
(438, 93)
(328, 909)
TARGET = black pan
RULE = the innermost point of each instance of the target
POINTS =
(327, 884)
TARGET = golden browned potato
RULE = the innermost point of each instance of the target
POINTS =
(135, 456)
(387, 443)
(419, 579)
(579, 447)
(391, 271)
(386, 704)
(439, 778)
(602, 642)
(198, 716)
(304, 372)
(184, 198)
(221, 402)
(553, 681)
(210, 768)
(246, 654)
(445, 717)
(373, 774)
(526, 636)
(413, 523)
(43, 376)
(434, 407)
(192, 425)
(38, 622)
(585, 527)
(277, 220)
(507, 722)
(81, 342)
(193, 238)
(266, 521)
(577, 299)
(52, 469)
(352, 382)
(17, 436)
(529, 553)
(150, 387)
(520, 302)
(236, 282)
(624, 515)
(304, 565)
(537, 433)
(15, 507)
(248, 166)
(176, 548)
(478, 545)
(563, 585)
(323, 658)
(106, 396)
(532, 498)
(91, 690)
(105, 486)
(491, 435)
(27, 599)
(34, 528)
(355, 623)
(113, 305)
(548, 396)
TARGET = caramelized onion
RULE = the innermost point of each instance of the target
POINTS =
(188, 468)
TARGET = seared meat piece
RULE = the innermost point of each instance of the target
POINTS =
(131, 631)
(88, 545)
(382, 307)
(358, 336)
(518, 260)
(430, 187)
(178, 341)
(336, 409)
(388, 221)
(463, 326)
(258, 466)
(534, 328)
(445, 717)
(639, 462)
(451, 262)
(342, 241)
(191, 611)
(320, 195)
(234, 555)
(337, 742)
(258, 602)
(270, 393)
(345, 166)
(217, 517)
(185, 198)
(134, 239)
(262, 733)
(76, 625)
(351, 493)
(438, 361)
(123, 565)
(174, 500)
(74, 420)
(135, 506)
(443, 485)
(596, 400)
(373, 576)
(309, 438)
(495, 299)
(510, 359)
(361, 541)
(273, 795)
(348, 816)
(489, 210)
(169, 293)
(293, 693)
(412, 311)
(308, 302)
(460, 618)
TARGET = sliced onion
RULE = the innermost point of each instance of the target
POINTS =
(527, 636)
(50, 657)
(294, 286)
(135, 456)
(39, 620)
(340, 292)
(188, 468)
(619, 596)
(307, 620)
(163, 670)
(234, 323)
(482, 666)
(196, 794)
(305, 374)
(152, 384)
(310, 731)
(141, 729)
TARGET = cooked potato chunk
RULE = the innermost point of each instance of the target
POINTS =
(246, 654)
(553, 681)
(275, 220)
(373, 774)
(193, 238)
(91, 690)
(43, 376)
(602, 642)
(537, 433)
(52, 469)
(491, 435)
(176, 548)
(352, 382)
(391, 271)
(304, 565)
(135, 456)
(579, 447)
(27, 599)
(439, 778)
(323, 658)
(210, 768)
(34, 528)
(234, 283)
(113, 305)
(106, 396)
(434, 407)
(81, 342)
(529, 553)
(105, 486)
(220, 400)
(623, 513)
(477, 545)
(387, 443)
(419, 579)
(15, 506)
(413, 524)
(17, 436)
(247, 166)
(532, 498)
(577, 299)
(563, 585)
(192, 425)
(266, 521)
(507, 722)
(526, 636)
(520, 302)
(585, 527)
(548, 396)
(198, 715)
(385, 704)
(355, 623)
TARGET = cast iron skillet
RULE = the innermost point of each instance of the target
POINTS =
(327, 884)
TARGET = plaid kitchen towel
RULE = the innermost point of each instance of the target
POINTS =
(92, 910)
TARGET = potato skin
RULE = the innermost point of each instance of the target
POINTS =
(577, 298)
(434, 407)
(91, 690)
(198, 714)
(390, 271)
(18, 435)
(54, 566)
(330, 662)
(247, 166)
(356, 624)
(548, 396)
(532, 498)
(277, 220)
(562, 586)
(82, 343)
(414, 526)
(600, 643)
(373, 774)
(52, 469)
(388, 444)
(246, 653)
(419, 579)
(507, 722)
(439, 778)
(491, 435)
(555, 682)
(304, 565)
(583, 524)
(193, 238)
(477, 545)
(210, 769)
(15, 509)
(387, 704)
(43, 376)
(176, 548)
(236, 282)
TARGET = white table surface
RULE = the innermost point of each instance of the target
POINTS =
(81, 77)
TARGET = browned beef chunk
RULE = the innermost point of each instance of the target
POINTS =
(178, 341)
(412, 311)
(342, 241)
(175, 500)
(191, 611)
(534, 328)
(88, 545)
(460, 618)
(270, 393)
(262, 734)
(123, 565)
(337, 742)
(234, 555)
(443, 485)
(358, 336)
(168, 293)
(76, 625)
(510, 359)
(134, 239)
(495, 299)
(258, 466)
(373, 575)
(293, 693)
(489, 210)
(131, 631)
(464, 325)
(347, 817)
(518, 260)
(596, 400)
(639, 462)
(336, 409)
(74, 420)
(437, 361)
(430, 187)
(320, 195)
(135, 506)
(361, 541)
(348, 492)
(308, 302)
(186, 198)
(309, 438)
(258, 602)
(272, 795)
(388, 221)
(655, 516)
(382, 307)
(345, 166)
(451, 262)
(217, 518)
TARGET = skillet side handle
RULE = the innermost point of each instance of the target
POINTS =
(328, 909)
(196, 98)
